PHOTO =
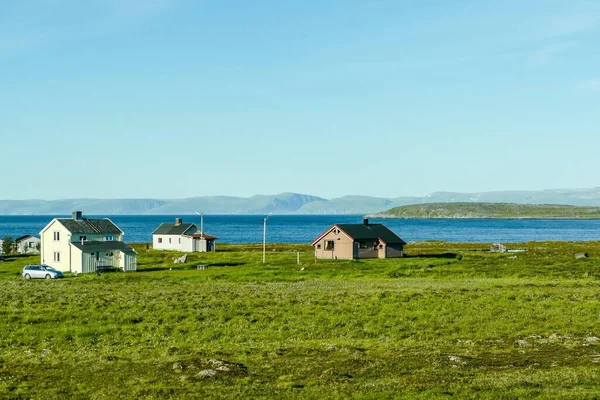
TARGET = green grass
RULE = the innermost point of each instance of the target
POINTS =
(490, 210)
(448, 321)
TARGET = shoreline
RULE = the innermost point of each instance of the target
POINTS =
(488, 217)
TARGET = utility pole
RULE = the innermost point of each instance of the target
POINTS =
(265, 237)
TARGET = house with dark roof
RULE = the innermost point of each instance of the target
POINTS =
(182, 237)
(82, 245)
(354, 241)
(28, 244)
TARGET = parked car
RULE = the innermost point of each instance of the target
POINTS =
(41, 271)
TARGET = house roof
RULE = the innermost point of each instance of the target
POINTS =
(200, 236)
(90, 226)
(172, 229)
(109, 245)
(20, 239)
(367, 232)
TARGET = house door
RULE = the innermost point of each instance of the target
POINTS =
(382, 249)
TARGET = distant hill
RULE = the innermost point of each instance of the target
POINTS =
(489, 210)
(284, 203)
(290, 203)
(353, 205)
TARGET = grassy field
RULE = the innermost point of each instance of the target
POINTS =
(490, 210)
(448, 321)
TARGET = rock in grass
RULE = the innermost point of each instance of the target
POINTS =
(498, 248)
(207, 373)
(177, 367)
(221, 366)
(181, 260)
(581, 255)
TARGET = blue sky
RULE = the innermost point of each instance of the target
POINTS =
(176, 98)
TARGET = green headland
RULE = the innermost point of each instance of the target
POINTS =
(490, 210)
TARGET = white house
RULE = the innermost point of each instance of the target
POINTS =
(28, 244)
(1, 242)
(182, 237)
(81, 245)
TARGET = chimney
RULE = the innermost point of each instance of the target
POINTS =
(177, 221)
(366, 221)
(77, 215)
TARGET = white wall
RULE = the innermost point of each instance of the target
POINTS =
(28, 245)
(176, 243)
(49, 246)
(179, 243)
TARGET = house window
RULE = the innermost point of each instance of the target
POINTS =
(169, 240)
(329, 244)
(82, 238)
(363, 245)
(318, 247)
(30, 244)
(57, 256)
(110, 237)
(56, 236)
(159, 240)
(179, 240)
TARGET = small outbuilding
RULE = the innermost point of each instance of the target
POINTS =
(28, 244)
(355, 241)
(182, 237)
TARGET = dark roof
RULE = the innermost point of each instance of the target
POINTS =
(25, 237)
(172, 229)
(109, 245)
(200, 236)
(90, 226)
(371, 232)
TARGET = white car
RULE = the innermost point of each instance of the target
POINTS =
(41, 271)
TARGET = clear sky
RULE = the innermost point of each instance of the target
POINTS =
(182, 98)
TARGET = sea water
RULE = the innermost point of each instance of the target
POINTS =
(305, 228)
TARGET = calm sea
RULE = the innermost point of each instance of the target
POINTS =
(305, 228)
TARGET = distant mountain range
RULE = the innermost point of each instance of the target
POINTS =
(289, 203)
